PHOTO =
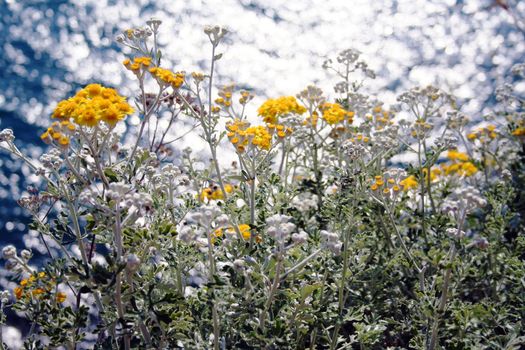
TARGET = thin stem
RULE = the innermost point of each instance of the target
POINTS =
(273, 288)
(444, 290)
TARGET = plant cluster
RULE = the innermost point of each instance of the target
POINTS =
(342, 223)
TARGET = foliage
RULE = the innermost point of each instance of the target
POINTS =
(342, 224)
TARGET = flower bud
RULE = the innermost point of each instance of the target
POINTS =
(9, 252)
(26, 254)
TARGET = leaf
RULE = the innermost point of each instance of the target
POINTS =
(111, 174)
(308, 290)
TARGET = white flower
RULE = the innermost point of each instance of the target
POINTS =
(279, 227)
(6, 135)
(8, 252)
(300, 237)
(330, 240)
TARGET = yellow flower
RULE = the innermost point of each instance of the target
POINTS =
(409, 183)
(334, 113)
(138, 64)
(259, 136)
(519, 132)
(272, 109)
(18, 291)
(36, 292)
(165, 76)
(93, 89)
(63, 141)
(455, 155)
(61, 297)
(88, 107)
(215, 193)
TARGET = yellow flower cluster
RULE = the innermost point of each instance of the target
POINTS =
(214, 192)
(167, 77)
(484, 135)
(386, 186)
(334, 113)
(281, 130)
(519, 132)
(138, 64)
(246, 97)
(59, 133)
(409, 183)
(225, 96)
(259, 136)
(359, 138)
(93, 104)
(380, 117)
(37, 286)
(460, 164)
(272, 109)
(242, 135)
(244, 229)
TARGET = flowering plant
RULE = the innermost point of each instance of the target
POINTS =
(341, 224)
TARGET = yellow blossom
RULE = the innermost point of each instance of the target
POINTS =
(272, 109)
(409, 183)
(334, 113)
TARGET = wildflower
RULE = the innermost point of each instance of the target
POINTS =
(214, 192)
(18, 291)
(455, 233)
(330, 240)
(520, 132)
(8, 252)
(389, 184)
(225, 95)
(88, 107)
(6, 135)
(300, 238)
(334, 113)
(259, 137)
(61, 297)
(455, 155)
(25, 254)
(463, 201)
(408, 183)
(272, 109)
(421, 129)
(483, 134)
(246, 96)
(279, 227)
(167, 77)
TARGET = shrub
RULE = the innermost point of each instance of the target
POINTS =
(342, 223)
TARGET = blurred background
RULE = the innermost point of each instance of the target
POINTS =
(49, 49)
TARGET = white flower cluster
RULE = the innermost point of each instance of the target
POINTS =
(353, 150)
(518, 69)
(386, 138)
(455, 233)
(169, 177)
(456, 120)
(52, 159)
(14, 262)
(215, 33)
(6, 135)
(123, 194)
(463, 201)
(330, 240)
(200, 221)
(279, 227)
(300, 238)
(305, 202)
